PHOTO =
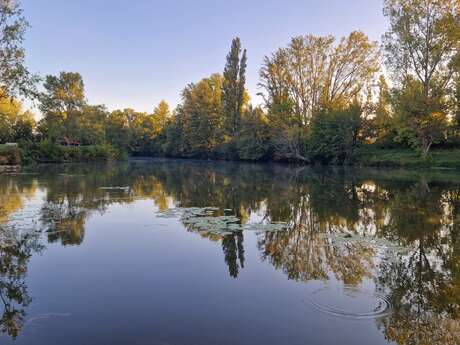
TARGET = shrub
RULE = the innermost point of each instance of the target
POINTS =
(335, 135)
(46, 151)
(9, 155)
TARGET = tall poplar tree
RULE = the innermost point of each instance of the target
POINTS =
(233, 88)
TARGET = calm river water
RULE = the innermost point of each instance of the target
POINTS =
(187, 252)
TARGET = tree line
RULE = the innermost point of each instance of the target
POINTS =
(325, 99)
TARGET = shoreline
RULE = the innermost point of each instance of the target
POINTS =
(33, 153)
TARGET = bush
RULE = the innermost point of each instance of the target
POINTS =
(335, 135)
(46, 151)
(9, 155)
(253, 143)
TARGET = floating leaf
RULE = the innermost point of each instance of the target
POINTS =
(205, 219)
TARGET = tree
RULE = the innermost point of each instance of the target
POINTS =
(233, 88)
(423, 40)
(161, 115)
(200, 118)
(61, 104)
(15, 124)
(335, 134)
(422, 46)
(254, 138)
(381, 124)
(420, 122)
(312, 74)
(161, 122)
(131, 131)
(174, 132)
(457, 102)
(90, 126)
(15, 79)
(118, 129)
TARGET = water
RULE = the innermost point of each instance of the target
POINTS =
(103, 254)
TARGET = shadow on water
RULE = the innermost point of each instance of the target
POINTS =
(417, 291)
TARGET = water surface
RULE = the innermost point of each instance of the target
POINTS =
(93, 254)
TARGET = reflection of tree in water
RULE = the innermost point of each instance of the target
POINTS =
(424, 285)
(196, 185)
(315, 208)
(13, 192)
(68, 205)
(66, 221)
(16, 248)
(232, 246)
(71, 198)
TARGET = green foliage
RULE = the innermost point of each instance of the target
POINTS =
(172, 135)
(161, 116)
(311, 74)
(90, 126)
(420, 121)
(15, 124)
(47, 151)
(380, 129)
(200, 117)
(314, 72)
(118, 129)
(422, 39)
(9, 155)
(62, 105)
(457, 101)
(15, 79)
(233, 88)
(422, 51)
(335, 135)
(253, 142)
(321, 99)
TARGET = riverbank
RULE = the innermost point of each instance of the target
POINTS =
(376, 157)
(438, 158)
(46, 152)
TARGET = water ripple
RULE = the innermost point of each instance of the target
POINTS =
(376, 304)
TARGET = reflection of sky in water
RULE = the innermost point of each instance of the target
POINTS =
(112, 272)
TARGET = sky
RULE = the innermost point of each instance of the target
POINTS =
(135, 53)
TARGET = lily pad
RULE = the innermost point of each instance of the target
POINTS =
(207, 220)
(388, 249)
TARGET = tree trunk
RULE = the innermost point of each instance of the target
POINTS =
(426, 144)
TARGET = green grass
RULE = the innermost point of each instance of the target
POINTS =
(441, 158)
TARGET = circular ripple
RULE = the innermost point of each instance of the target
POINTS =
(350, 302)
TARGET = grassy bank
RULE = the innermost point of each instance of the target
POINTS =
(45, 151)
(41, 152)
(440, 158)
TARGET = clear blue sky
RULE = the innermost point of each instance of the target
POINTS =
(133, 53)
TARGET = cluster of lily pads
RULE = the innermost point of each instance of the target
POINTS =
(205, 219)
(388, 249)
